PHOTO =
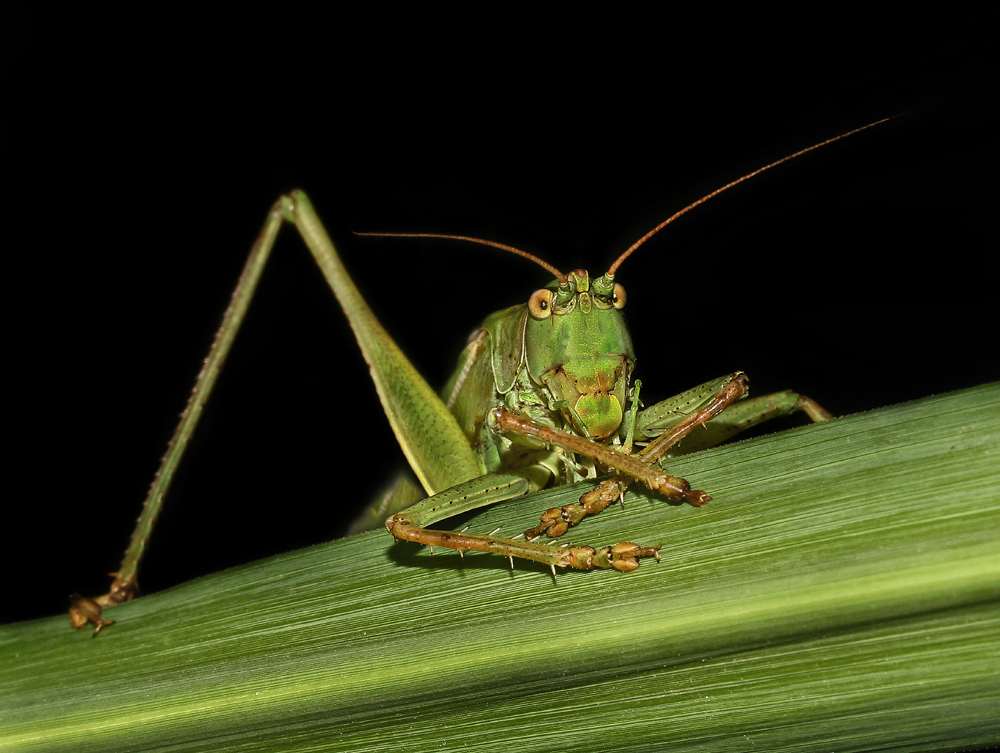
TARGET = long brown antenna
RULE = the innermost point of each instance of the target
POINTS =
(543, 264)
(717, 191)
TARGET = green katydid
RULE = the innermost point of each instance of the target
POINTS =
(541, 395)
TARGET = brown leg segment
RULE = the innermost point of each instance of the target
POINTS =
(557, 520)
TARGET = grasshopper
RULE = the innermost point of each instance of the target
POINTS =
(542, 395)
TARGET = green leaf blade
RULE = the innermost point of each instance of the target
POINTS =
(841, 591)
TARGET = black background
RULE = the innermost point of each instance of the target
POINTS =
(140, 156)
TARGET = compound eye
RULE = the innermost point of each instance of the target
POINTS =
(618, 297)
(540, 304)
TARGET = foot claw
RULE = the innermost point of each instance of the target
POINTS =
(696, 497)
(85, 610)
(624, 557)
(552, 525)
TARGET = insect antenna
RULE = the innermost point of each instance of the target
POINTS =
(503, 246)
(717, 191)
